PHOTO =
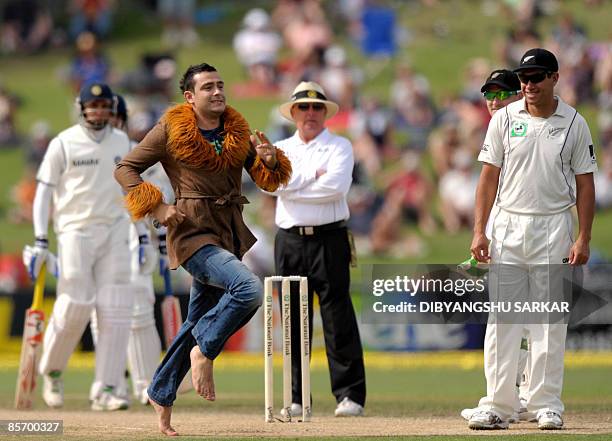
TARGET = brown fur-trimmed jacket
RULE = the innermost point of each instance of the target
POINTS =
(207, 186)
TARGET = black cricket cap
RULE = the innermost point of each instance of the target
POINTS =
(121, 109)
(538, 58)
(504, 78)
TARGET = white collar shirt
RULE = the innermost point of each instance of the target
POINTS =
(307, 200)
(539, 157)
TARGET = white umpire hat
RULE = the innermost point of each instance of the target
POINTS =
(308, 92)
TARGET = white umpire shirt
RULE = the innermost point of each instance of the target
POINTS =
(80, 170)
(539, 157)
(305, 200)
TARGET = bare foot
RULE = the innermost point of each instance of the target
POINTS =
(202, 374)
(164, 413)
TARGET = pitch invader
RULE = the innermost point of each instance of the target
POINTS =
(91, 225)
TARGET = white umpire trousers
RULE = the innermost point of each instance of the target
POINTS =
(518, 241)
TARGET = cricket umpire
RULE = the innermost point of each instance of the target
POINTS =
(313, 241)
(543, 151)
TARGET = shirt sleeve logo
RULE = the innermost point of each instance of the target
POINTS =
(519, 128)
(592, 153)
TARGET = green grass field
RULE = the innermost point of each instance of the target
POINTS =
(415, 386)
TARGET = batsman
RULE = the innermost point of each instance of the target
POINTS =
(92, 227)
(203, 145)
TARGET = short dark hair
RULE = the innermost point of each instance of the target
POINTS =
(187, 80)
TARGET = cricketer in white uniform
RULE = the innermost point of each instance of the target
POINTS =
(144, 347)
(540, 151)
(501, 88)
(92, 227)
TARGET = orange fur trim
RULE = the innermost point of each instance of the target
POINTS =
(269, 179)
(143, 198)
(187, 145)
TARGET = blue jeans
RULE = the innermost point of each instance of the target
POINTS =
(224, 296)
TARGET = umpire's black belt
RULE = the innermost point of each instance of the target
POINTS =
(314, 230)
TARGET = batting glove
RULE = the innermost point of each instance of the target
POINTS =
(146, 254)
(163, 255)
(35, 256)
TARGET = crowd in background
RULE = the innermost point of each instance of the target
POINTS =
(415, 156)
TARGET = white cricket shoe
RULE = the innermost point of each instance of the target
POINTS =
(296, 410)
(107, 400)
(348, 408)
(549, 420)
(53, 389)
(466, 414)
(143, 397)
(486, 420)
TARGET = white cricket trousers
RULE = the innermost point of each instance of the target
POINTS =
(519, 240)
(94, 273)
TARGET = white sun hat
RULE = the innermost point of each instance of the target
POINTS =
(308, 92)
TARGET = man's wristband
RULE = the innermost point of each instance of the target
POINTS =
(143, 239)
(41, 242)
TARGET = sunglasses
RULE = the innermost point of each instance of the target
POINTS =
(534, 78)
(317, 107)
(500, 95)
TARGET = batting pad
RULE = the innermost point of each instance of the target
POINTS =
(144, 347)
(65, 329)
(114, 309)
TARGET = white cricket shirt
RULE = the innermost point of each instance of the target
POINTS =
(80, 170)
(306, 201)
(539, 157)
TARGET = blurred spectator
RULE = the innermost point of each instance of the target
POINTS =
(372, 130)
(95, 16)
(89, 64)
(457, 192)
(567, 33)
(177, 19)
(520, 38)
(413, 105)
(22, 194)
(149, 90)
(307, 36)
(378, 30)
(286, 10)
(256, 47)
(342, 81)
(40, 136)
(8, 108)
(338, 77)
(603, 182)
(364, 203)
(386, 236)
(25, 27)
(443, 143)
(417, 192)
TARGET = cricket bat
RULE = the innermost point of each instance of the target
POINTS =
(171, 311)
(33, 327)
(172, 321)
